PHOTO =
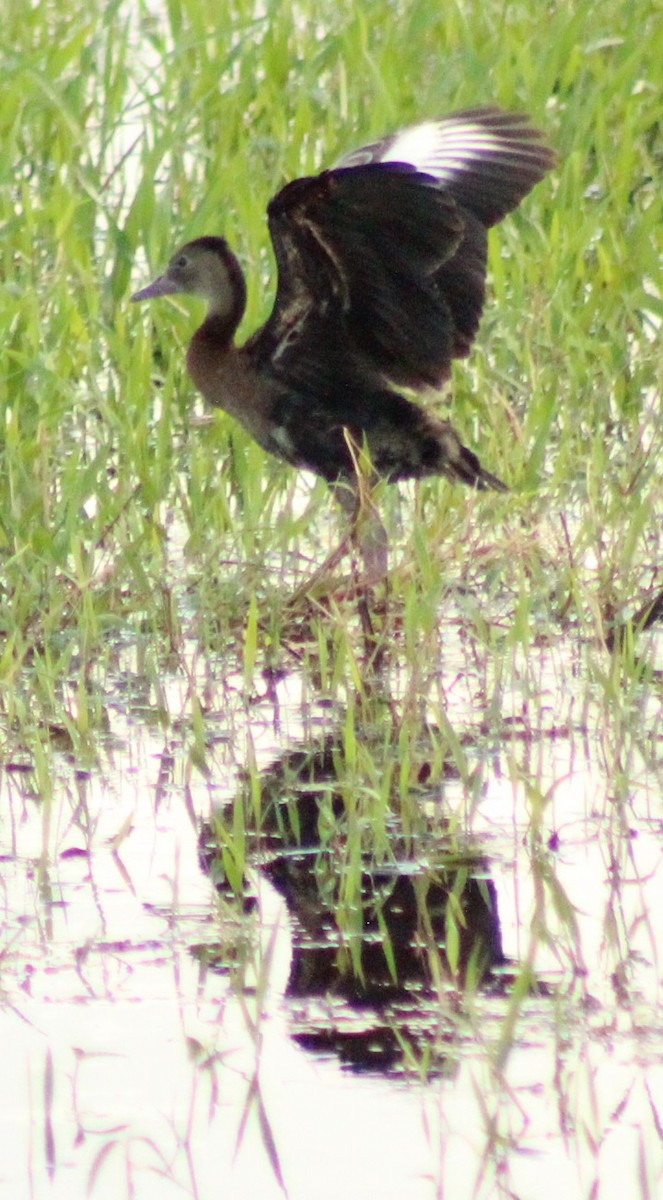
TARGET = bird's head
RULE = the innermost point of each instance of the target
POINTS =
(207, 268)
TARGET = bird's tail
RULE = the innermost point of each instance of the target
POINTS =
(457, 461)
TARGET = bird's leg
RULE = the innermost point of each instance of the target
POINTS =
(367, 534)
(369, 537)
(357, 499)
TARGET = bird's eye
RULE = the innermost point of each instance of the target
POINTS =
(181, 262)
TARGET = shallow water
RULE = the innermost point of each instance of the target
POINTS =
(129, 1069)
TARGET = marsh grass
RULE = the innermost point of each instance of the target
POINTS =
(130, 134)
(133, 133)
(128, 520)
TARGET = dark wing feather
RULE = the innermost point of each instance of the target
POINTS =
(358, 250)
(487, 159)
(382, 260)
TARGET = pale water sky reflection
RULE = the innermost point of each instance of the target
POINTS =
(127, 1070)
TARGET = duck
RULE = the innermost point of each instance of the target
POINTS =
(381, 283)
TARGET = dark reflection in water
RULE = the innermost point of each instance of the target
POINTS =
(383, 948)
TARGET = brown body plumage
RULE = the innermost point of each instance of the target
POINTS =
(381, 283)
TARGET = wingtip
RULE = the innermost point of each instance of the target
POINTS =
(487, 158)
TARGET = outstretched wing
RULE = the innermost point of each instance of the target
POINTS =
(487, 159)
(382, 260)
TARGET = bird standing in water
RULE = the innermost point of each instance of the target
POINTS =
(381, 283)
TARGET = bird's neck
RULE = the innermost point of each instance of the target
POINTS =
(227, 379)
(226, 303)
(219, 327)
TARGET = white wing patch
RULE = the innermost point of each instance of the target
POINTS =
(445, 149)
